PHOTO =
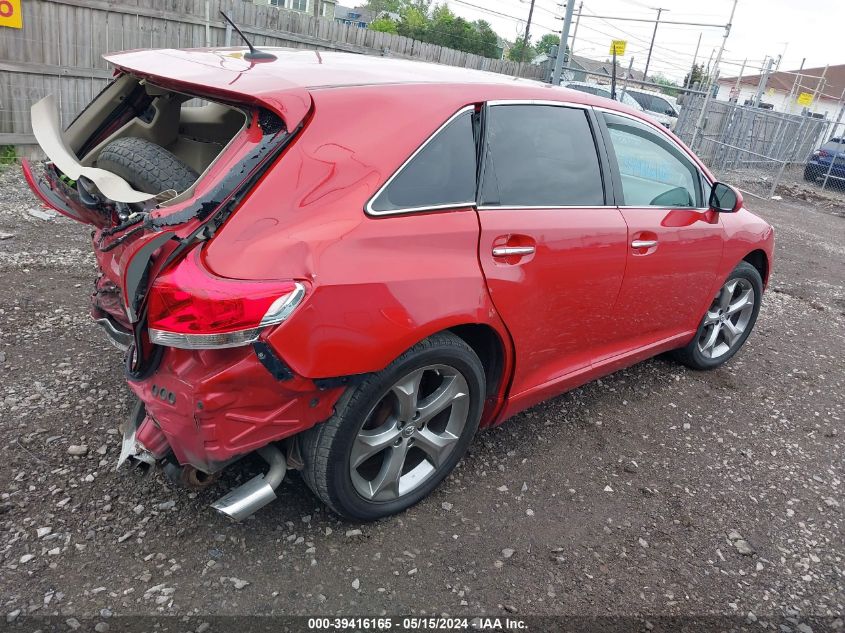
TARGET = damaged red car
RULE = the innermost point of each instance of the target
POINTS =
(350, 264)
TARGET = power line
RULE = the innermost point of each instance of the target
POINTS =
(515, 18)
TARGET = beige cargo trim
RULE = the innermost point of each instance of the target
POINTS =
(48, 133)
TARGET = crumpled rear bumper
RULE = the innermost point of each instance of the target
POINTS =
(211, 407)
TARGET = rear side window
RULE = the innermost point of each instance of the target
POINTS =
(653, 103)
(440, 174)
(540, 156)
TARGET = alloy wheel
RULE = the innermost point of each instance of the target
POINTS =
(410, 433)
(727, 319)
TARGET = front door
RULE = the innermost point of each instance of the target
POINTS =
(552, 250)
(675, 241)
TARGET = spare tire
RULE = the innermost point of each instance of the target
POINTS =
(146, 166)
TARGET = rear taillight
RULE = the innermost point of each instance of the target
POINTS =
(821, 153)
(191, 308)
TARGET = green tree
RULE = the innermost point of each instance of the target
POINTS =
(519, 52)
(546, 42)
(384, 24)
(488, 41)
(381, 6)
(436, 25)
(414, 24)
(696, 74)
(667, 86)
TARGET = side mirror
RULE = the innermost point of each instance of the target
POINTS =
(724, 198)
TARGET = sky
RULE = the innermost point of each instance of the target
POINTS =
(794, 29)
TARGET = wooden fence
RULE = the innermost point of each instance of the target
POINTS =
(59, 49)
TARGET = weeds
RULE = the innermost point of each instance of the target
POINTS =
(8, 156)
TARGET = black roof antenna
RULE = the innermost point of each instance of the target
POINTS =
(254, 54)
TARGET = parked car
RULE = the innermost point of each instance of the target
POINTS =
(662, 107)
(349, 264)
(603, 91)
(818, 164)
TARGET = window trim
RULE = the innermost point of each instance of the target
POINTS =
(663, 135)
(368, 208)
(605, 168)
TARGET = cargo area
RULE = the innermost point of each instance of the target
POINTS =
(137, 140)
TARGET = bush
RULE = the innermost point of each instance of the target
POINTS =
(7, 154)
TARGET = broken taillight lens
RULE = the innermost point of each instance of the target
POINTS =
(191, 308)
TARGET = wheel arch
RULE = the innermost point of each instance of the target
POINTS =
(496, 358)
(760, 260)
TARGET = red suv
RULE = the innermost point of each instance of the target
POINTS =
(349, 264)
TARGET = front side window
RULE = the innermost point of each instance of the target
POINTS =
(440, 175)
(654, 172)
(540, 156)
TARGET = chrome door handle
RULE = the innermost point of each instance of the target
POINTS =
(643, 243)
(509, 251)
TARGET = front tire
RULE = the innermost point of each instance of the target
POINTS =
(728, 322)
(399, 433)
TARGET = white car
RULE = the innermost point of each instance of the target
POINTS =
(663, 108)
(603, 91)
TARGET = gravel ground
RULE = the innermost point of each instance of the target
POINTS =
(657, 491)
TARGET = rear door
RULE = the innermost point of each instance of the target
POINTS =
(552, 244)
(675, 240)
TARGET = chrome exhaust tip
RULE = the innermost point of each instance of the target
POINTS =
(248, 498)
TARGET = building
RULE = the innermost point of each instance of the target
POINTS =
(358, 16)
(320, 8)
(784, 87)
(590, 70)
(594, 71)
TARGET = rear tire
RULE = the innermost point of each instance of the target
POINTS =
(727, 322)
(146, 166)
(399, 433)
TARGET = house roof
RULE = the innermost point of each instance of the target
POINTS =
(784, 80)
(358, 13)
(605, 67)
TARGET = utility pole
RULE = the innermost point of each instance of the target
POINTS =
(764, 79)
(694, 59)
(564, 38)
(703, 112)
(527, 35)
(575, 32)
(613, 77)
(651, 46)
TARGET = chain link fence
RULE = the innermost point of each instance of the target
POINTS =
(756, 149)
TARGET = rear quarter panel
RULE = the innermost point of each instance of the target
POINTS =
(377, 285)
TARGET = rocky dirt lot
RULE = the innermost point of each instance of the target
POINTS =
(656, 491)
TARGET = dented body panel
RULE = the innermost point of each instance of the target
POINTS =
(288, 204)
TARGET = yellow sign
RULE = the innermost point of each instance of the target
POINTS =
(805, 98)
(10, 14)
(616, 46)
